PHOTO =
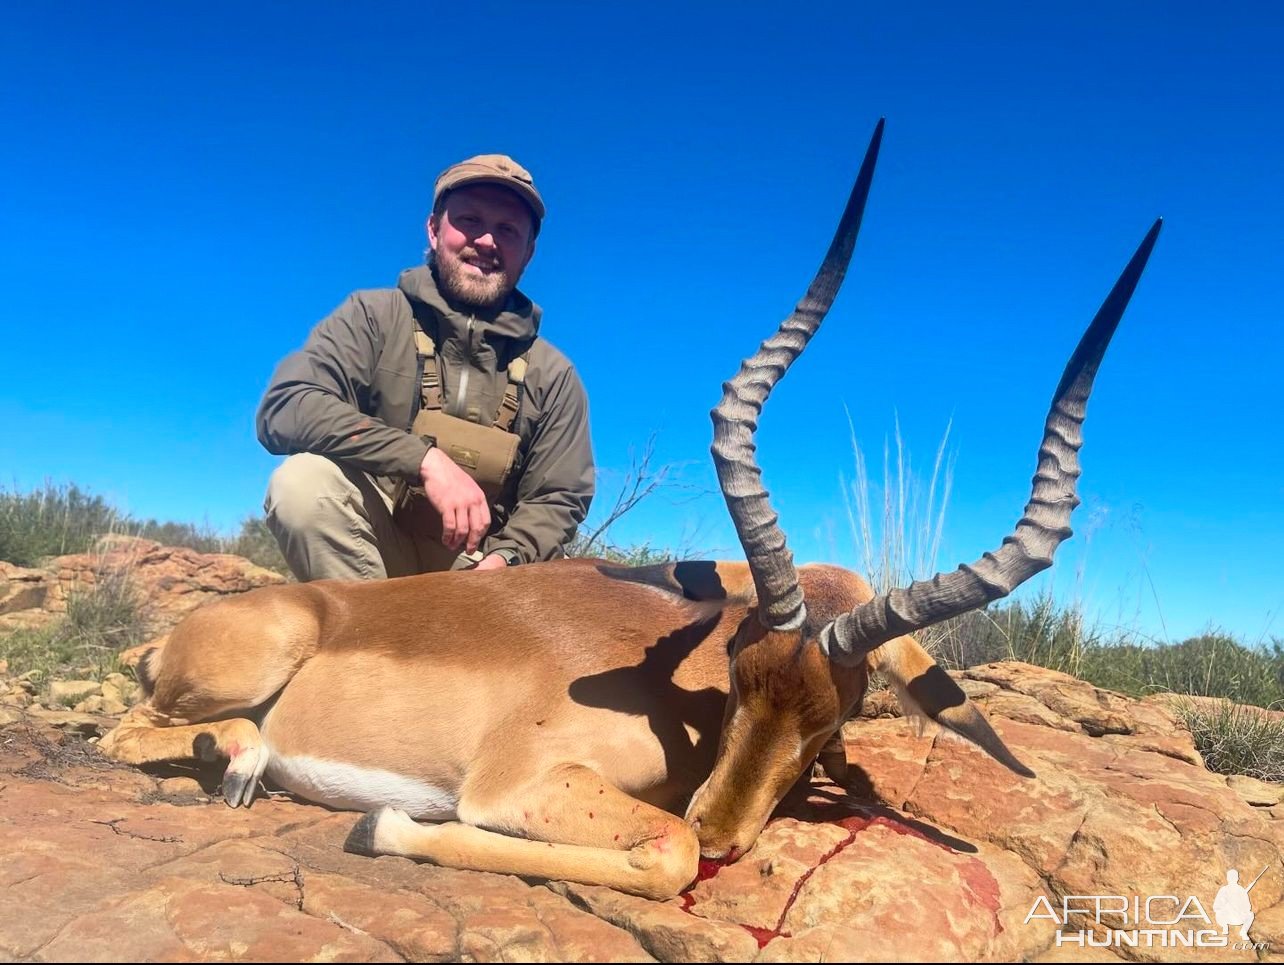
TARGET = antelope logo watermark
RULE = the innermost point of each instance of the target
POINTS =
(1153, 921)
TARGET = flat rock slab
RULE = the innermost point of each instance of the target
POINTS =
(930, 851)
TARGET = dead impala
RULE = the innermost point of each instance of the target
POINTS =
(559, 719)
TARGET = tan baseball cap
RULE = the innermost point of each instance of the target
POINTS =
(493, 169)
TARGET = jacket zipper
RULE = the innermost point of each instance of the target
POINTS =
(463, 376)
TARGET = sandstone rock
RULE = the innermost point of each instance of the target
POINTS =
(63, 693)
(1255, 792)
(1096, 711)
(118, 687)
(667, 930)
(880, 703)
(976, 689)
(87, 724)
(174, 920)
(113, 707)
(180, 787)
(17, 697)
(1268, 926)
(103, 706)
(174, 580)
(414, 927)
(1077, 953)
(931, 851)
(34, 619)
(1176, 745)
(21, 588)
(1179, 704)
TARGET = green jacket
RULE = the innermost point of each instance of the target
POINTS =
(352, 392)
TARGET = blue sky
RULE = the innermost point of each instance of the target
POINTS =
(189, 189)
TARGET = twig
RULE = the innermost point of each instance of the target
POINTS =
(168, 839)
(639, 483)
(295, 878)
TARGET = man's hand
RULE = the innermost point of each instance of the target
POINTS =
(465, 515)
(492, 562)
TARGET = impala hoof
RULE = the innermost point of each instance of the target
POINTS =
(361, 839)
(238, 789)
(244, 771)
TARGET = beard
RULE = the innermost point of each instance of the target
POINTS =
(461, 283)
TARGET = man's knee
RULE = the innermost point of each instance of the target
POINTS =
(305, 490)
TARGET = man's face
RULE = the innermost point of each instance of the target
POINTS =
(482, 242)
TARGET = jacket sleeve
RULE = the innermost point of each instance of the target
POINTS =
(556, 485)
(319, 396)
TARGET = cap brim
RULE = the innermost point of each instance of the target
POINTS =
(525, 191)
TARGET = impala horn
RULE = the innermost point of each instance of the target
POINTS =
(780, 601)
(1044, 525)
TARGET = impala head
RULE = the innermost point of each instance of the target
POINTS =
(786, 699)
(799, 662)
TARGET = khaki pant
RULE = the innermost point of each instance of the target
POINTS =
(335, 523)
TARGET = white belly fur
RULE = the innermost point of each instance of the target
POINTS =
(352, 788)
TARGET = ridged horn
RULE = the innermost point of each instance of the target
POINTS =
(1044, 525)
(735, 419)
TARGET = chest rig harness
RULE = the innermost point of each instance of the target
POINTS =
(487, 453)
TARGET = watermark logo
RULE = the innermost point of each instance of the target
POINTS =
(1153, 921)
(1232, 906)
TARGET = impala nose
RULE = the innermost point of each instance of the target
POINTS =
(723, 856)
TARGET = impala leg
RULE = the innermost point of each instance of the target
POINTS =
(833, 757)
(144, 736)
(220, 663)
(586, 830)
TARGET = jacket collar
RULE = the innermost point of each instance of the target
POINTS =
(518, 319)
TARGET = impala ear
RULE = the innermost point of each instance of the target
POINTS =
(925, 691)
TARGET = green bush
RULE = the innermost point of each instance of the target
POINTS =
(52, 521)
(1048, 634)
(640, 555)
(897, 523)
(203, 539)
(44, 650)
(1237, 740)
(1040, 631)
(102, 619)
(56, 520)
(1216, 665)
(108, 616)
(256, 543)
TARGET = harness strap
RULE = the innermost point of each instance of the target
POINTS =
(512, 400)
(430, 390)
